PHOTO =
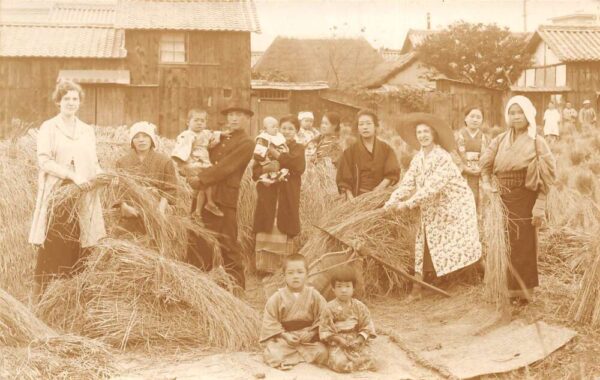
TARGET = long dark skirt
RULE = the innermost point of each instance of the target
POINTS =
(522, 236)
(61, 250)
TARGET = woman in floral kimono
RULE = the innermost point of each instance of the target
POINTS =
(523, 166)
(66, 153)
(448, 237)
(369, 164)
(154, 169)
(471, 143)
(328, 142)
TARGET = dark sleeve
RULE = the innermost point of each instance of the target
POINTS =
(294, 160)
(256, 170)
(345, 172)
(170, 183)
(232, 162)
(391, 169)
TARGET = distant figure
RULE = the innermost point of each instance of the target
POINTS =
(551, 123)
(307, 132)
(587, 115)
(569, 117)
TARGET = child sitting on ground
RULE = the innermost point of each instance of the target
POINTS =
(291, 320)
(191, 155)
(347, 326)
(270, 137)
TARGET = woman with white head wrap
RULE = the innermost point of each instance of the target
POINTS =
(523, 167)
(155, 169)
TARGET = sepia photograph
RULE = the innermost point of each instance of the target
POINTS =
(299, 189)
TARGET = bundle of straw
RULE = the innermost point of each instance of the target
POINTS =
(362, 222)
(496, 250)
(586, 306)
(29, 349)
(128, 295)
(165, 232)
(245, 215)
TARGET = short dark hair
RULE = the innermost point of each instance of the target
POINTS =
(343, 274)
(65, 85)
(195, 111)
(294, 257)
(370, 113)
(334, 118)
(292, 119)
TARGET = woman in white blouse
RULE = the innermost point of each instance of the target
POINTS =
(66, 152)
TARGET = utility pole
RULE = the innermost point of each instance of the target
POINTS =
(525, 16)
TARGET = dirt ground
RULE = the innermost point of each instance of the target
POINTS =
(429, 339)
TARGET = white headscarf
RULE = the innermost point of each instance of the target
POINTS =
(143, 127)
(529, 111)
(305, 115)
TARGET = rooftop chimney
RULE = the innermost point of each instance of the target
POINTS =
(428, 21)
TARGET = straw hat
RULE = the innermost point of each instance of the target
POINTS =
(408, 125)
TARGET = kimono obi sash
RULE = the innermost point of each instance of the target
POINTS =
(511, 179)
(296, 325)
(349, 325)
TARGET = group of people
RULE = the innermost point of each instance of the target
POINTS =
(445, 180)
(557, 117)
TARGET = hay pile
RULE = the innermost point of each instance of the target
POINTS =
(29, 349)
(131, 296)
(586, 307)
(363, 223)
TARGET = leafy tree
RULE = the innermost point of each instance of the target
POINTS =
(486, 55)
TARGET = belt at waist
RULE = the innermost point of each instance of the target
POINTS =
(296, 325)
(512, 179)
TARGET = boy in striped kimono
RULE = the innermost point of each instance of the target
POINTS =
(291, 319)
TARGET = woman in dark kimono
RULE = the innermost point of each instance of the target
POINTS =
(524, 169)
(279, 203)
(156, 170)
(369, 164)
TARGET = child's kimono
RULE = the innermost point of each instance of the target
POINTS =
(295, 314)
(191, 147)
(261, 155)
(348, 321)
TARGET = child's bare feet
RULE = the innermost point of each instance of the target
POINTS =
(213, 209)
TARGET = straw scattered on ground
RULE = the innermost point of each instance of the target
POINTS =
(128, 295)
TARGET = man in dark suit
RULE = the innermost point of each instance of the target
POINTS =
(229, 158)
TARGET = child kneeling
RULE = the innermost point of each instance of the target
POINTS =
(347, 327)
(291, 320)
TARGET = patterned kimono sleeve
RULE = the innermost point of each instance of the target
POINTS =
(407, 185)
(319, 310)
(366, 328)
(271, 323)
(443, 173)
(326, 324)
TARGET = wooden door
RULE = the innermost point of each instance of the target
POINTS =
(110, 105)
(274, 108)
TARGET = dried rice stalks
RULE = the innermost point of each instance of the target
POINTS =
(29, 349)
(166, 233)
(586, 307)
(128, 295)
(497, 251)
(361, 222)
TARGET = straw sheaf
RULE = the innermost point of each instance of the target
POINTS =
(128, 295)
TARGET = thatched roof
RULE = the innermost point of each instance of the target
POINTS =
(387, 70)
(341, 62)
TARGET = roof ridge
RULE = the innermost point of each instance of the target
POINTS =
(568, 27)
(61, 26)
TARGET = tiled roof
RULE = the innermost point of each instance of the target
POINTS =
(258, 84)
(51, 41)
(390, 55)
(96, 76)
(82, 14)
(541, 89)
(217, 15)
(572, 43)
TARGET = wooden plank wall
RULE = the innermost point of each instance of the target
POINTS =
(584, 80)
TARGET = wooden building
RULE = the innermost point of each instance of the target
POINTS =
(566, 67)
(137, 60)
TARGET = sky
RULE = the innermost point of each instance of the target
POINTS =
(384, 23)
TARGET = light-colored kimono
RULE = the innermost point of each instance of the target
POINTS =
(59, 154)
(286, 312)
(448, 215)
(348, 321)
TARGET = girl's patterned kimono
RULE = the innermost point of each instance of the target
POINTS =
(300, 315)
(448, 215)
(470, 149)
(348, 321)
